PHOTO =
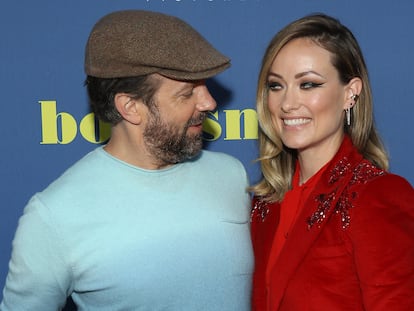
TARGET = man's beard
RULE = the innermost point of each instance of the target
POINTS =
(167, 143)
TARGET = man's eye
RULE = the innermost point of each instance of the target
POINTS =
(310, 85)
(274, 86)
(188, 94)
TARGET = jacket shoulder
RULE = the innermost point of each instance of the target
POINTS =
(388, 188)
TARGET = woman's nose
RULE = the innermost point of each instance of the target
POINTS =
(289, 102)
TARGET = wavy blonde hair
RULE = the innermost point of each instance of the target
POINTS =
(276, 160)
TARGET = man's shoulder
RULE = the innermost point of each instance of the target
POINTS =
(78, 173)
(217, 155)
(226, 166)
(220, 159)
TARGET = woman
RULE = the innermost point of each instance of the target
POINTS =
(331, 228)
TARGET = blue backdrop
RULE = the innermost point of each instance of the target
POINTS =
(46, 123)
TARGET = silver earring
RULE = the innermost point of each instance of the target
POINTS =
(348, 110)
(348, 116)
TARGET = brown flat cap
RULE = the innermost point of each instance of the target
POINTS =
(135, 42)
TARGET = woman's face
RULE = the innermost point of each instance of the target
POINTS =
(306, 99)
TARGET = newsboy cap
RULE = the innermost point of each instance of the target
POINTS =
(136, 42)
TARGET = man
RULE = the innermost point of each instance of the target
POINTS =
(148, 221)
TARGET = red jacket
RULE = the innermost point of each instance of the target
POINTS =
(351, 247)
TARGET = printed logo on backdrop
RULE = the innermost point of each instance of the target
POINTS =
(63, 128)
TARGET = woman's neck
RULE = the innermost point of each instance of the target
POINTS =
(311, 160)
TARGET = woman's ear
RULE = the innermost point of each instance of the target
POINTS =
(128, 108)
(352, 91)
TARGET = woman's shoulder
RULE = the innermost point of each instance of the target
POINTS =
(367, 175)
(394, 181)
(372, 192)
(381, 183)
(388, 191)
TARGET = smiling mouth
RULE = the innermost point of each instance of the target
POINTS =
(293, 122)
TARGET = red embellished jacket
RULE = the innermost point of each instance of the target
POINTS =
(350, 248)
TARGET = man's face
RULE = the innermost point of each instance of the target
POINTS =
(173, 132)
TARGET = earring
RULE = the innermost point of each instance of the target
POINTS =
(348, 110)
(348, 116)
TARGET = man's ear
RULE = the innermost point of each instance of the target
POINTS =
(128, 108)
(353, 89)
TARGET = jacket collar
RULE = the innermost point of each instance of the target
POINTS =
(311, 220)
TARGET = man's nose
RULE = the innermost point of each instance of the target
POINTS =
(205, 101)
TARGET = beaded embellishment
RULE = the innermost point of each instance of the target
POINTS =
(259, 210)
(361, 174)
(324, 202)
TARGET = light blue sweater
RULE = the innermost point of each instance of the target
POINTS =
(117, 237)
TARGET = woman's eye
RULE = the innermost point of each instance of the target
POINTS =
(274, 86)
(310, 85)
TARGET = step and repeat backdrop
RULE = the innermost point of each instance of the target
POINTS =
(46, 124)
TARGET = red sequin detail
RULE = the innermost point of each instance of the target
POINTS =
(361, 174)
(325, 201)
(340, 170)
(260, 210)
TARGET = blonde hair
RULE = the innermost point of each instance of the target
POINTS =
(276, 160)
